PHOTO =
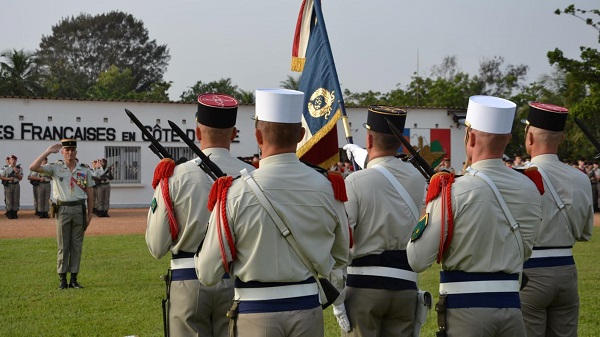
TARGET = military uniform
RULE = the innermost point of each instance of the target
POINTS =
(483, 250)
(34, 183)
(41, 193)
(104, 176)
(69, 189)
(194, 309)
(381, 291)
(12, 189)
(275, 292)
(550, 300)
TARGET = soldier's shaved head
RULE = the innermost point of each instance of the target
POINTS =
(539, 141)
(215, 137)
(281, 135)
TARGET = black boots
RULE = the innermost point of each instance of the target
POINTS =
(63, 281)
(73, 283)
(43, 215)
(12, 214)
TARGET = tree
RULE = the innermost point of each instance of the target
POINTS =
(583, 84)
(81, 48)
(223, 86)
(117, 84)
(290, 82)
(19, 74)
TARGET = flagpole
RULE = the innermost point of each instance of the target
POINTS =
(345, 123)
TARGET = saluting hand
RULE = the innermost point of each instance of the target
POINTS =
(54, 148)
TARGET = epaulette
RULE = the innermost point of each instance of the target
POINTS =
(535, 176)
(437, 182)
(84, 165)
(164, 169)
(60, 161)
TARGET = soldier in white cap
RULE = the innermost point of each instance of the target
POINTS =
(384, 203)
(481, 229)
(275, 291)
(550, 301)
(194, 309)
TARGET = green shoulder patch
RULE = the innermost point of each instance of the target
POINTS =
(420, 228)
(153, 205)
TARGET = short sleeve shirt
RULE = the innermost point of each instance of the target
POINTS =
(69, 185)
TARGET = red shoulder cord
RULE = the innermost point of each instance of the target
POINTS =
(339, 193)
(218, 196)
(441, 183)
(162, 172)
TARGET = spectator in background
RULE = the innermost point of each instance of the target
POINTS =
(581, 166)
(518, 162)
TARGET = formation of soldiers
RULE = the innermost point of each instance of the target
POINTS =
(261, 258)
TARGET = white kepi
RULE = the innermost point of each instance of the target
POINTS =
(490, 114)
(279, 105)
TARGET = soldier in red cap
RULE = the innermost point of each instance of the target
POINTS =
(194, 309)
(550, 300)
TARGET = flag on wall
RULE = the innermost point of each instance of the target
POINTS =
(311, 55)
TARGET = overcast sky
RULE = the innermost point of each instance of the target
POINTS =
(374, 42)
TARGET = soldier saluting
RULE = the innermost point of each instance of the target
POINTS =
(481, 229)
(72, 187)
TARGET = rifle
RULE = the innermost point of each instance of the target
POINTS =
(206, 164)
(155, 146)
(589, 136)
(415, 159)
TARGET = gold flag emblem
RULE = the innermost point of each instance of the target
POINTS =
(320, 103)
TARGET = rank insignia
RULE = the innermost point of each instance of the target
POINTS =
(153, 205)
(420, 228)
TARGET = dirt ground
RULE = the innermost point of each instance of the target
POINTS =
(121, 221)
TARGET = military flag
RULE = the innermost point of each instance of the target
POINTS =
(323, 101)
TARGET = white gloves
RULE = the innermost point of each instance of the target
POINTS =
(358, 153)
(340, 314)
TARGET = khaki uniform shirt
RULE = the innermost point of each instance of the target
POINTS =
(11, 172)
(189, 187)
(482, 240)
(305, 199)
(379, 217)
(68, 185)
(575, 191)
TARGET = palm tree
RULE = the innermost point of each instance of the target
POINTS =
(19, 74)
(290, 83)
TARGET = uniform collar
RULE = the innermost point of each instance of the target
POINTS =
(545, 158)
(488, 163)
(216, 151)
(282, 158)
(379, 160)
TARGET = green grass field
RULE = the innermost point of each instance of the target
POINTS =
(123, 290)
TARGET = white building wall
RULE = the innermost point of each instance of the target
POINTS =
(20, 117)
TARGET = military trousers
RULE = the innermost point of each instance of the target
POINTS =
(103, 191)
(96, 199)
(485, 322)
(43, 197)
(197, 310)
(70, 227)
(550, 301)
(380, 312)
(293, 323)
(35, 197)
(12, 196)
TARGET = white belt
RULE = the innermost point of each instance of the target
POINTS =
(184, 263)
(384, 271)
(479, 287)
(557, 252)
(272, 293)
